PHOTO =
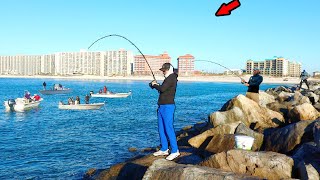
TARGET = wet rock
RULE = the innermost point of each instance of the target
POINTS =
(132, 149)
(258, 137)
(265, 98)
(303, 112)
(285, 96)
(249, 112)
(316, 134)
(162, 169)
(183, 136)
(90, 173)
(307, 154)
(198, 140)
(187, 128)
(267, 165)
(286, 139)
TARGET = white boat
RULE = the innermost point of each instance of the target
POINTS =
(81, 106)
(57, 89)
(111, 95)
(21, 104)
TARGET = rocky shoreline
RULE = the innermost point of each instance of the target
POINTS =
(285, 126)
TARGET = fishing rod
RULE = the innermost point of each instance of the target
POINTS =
(116, 35)
(221, 66)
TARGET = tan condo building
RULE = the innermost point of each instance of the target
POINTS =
(276, 66)
(186, 65)
(155, 62)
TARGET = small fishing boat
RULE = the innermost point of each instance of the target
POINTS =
(110, 95)
(80, 106)
(57, 89)
(21, 104)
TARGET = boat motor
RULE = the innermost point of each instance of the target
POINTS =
(11, 103)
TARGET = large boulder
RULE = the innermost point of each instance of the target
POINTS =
(247, 111)
(198, 140)
(189, 132)
(299, 99)
(303, 112)
(165, 170)
(316, 134)
(219, 143)
(314, 98)
(267, 165)
(258, 137)
(285, 96)
(265, 98)
(282, 108)
(286, 139)
(307, 161)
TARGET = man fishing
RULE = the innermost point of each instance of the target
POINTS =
(253, 85)
(166, 112)
(304, 79)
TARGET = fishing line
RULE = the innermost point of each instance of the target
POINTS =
(116, 35)
(221, 66)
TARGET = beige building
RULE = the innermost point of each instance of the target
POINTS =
(118, 63)
(186, 65)
(276, 66)
(155, 62)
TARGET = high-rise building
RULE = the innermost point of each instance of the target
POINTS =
(118, 63)
(25, 65)
(100, 63)
(276, 66)
(155, 62)
(186, 65)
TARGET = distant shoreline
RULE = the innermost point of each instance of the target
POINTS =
(226, 79)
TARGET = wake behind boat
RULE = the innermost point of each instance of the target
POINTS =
(57, 89)
(92, 106)
(110, 95)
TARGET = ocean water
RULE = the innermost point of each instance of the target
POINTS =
(48, 143)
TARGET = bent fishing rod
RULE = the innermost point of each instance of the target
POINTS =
(116, 35)
(221, 66)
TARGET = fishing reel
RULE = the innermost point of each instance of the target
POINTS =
(150, 85)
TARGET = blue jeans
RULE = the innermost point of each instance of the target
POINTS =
(165, 125)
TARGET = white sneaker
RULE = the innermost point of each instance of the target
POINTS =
(161, 153)
(172, 156)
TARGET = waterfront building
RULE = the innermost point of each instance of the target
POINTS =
(155, 62)
(186, 65)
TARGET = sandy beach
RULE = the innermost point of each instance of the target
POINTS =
(226, 79)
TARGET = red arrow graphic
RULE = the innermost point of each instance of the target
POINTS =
(225, 9)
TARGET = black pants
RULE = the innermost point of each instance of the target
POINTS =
(304, 81)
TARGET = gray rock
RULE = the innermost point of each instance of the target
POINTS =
(303, 112)
(258, 137)
(316, 133)
(286, 139)
(267, 165)
(166, 170)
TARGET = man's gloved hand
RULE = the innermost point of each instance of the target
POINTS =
(243, 81)
(152, 83)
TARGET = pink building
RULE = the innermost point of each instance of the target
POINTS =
(186, 65)
(141, 67)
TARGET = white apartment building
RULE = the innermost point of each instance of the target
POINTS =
(118, 62)
(26, 65)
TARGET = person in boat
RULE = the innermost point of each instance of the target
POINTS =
(105, 89)
(100, 91)
(87, 98)
(27, 95)
(60, 87)
(36, 97)
(77, 100)
(44, 84)
(253, 85)
(70, 101)
(304, 79)
(166, 108)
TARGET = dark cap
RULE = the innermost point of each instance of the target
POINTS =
(165, 66)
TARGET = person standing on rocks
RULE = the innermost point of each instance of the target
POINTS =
(166, 110)
(304, 78)
(253, 85)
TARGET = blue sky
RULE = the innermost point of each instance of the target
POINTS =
(257, 30)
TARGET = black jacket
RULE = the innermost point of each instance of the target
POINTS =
(254, 83)
(167, 90)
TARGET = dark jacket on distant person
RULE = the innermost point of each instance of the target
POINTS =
(254, 83)
(167, 90)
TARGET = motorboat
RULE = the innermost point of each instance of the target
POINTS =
(92, 106)
(21, 104)
(110, 95)
(57, 89)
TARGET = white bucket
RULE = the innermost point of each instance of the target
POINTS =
(244, 142)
